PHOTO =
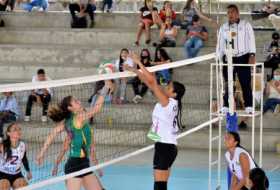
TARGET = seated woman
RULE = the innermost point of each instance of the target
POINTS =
(119, 93)
(145, 58)
(12, 157)
(273, 92)
(149, 16)
(168, 34)
(239, 162)
(167, 12)
(162, 57)
(272, 52)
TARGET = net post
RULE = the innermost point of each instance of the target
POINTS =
(261, 117)
(254, 107)
(210, 132)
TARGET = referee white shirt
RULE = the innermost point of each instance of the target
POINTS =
(242, 35)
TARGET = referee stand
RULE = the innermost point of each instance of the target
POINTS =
(217, 91)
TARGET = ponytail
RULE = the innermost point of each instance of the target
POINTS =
(179, 89)
(60, 112)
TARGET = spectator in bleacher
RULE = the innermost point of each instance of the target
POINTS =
(9, 111)
(162, 57)
(191, 9)
(41, 96)
(167, 12)
(84, 7)
(41, 5)
(6, 5)
(196, 36)
(124, 59)
(145, 58)
(273, 54)
(109, 4)
(273, 92)
(168, 34)
(149, 16)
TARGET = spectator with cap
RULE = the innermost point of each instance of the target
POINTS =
(196, 36)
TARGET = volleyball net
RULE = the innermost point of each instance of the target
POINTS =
(120, 130)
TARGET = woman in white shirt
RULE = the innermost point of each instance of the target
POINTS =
(119, 95)
(239, 162)
(166, 122)
(12, 157)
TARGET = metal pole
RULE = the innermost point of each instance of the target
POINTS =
(210, 133)
(261, 118)
(253, 114)
(219, 153)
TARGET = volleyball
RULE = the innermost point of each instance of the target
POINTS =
(105, 68)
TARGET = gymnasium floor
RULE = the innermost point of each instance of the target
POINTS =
(190, 172)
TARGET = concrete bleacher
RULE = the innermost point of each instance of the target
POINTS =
(34, 40)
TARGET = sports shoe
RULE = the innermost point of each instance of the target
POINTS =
(224, 110)
(27, 118)
(249, 110)
(44, 118)
(136, 99)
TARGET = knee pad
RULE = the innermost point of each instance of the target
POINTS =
(160, 185)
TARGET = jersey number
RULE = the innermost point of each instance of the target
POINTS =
(13, 160)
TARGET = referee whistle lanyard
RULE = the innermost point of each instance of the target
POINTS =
(229, 49)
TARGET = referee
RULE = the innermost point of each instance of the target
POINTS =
(244, 50)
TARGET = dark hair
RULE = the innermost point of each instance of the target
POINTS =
(236, 137)
(259, 179)
(164, 3)
(233, 6)
(163, 54)
(61, 112)
(195, 18)
(40, 72)
(275, 36)
(148, 57)
(179, 89)
(121, 61)
(188, 4)
(7, 142)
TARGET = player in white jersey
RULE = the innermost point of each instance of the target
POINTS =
(12, 157)
(166, 122)
(239, 162)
